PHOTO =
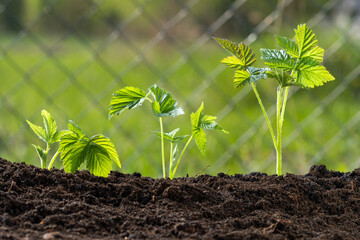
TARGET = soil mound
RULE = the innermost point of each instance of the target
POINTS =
(42, 204)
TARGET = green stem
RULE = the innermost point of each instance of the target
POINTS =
(171, 158)
(278, 130)
(53, 159)
(162, 147)
(280, 113)
(43, 160)
(265, 114)
(182, 153)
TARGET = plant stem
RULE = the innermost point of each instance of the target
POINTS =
(43, 160)
(53, 159)
(182, 153)
(280, 113)
(162, 146)
(278, 131)
(265, 114)
(171, 157)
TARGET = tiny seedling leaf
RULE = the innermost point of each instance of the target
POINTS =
(164, 104)
(39, 131)
(40, 152)
(50, 126)
(200, 139)
(209, 122)
(171, 136)
(126, 98)
(199, 122)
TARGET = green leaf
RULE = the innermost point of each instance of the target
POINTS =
(175, 151)
(171, 136)
(232, 62)
(107, 146)
(72, 151)
(251, 75)
(97, 151)
(73, 127)
(100, 154)
(305, 39)
(199, 122)
(245, 56)
(164, 104)
(289, 46)
(229, 46)
(50, 126)
(241, 78)
(41, 153)
(310, 76)
(209, 122)
(59, 134)
(316, 53)
(200, 139)
(39, 131)
(277, 59)
(126, 98)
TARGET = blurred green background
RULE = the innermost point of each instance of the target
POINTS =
(69, 57)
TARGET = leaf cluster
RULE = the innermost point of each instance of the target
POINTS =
(297, 63)
(163, 105)
(75, 147)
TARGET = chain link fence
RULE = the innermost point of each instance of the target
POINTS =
(69, 57)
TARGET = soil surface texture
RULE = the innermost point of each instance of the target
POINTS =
(42, 204)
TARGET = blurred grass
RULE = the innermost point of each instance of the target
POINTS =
(83, 94)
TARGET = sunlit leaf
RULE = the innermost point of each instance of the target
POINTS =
(316, 53)
(39, 131)
(289, 46)
(41, 153)
(248, 56)
(171, 136)
(232, 62)
(310, 76)
(200, 139)
(199, 122)
(97, 151)
(164, 104)
(50, 126)
(305, 39)
(243, 55)
(126, 98)
(277, 59)
(230, 46)
(251, 75)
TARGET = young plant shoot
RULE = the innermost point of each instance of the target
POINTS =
(164, 105)
(297, 63)
(199, 123)
(49, 135)
(75, 147)
(97, 151)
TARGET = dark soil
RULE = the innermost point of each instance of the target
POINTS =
(42, 204)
